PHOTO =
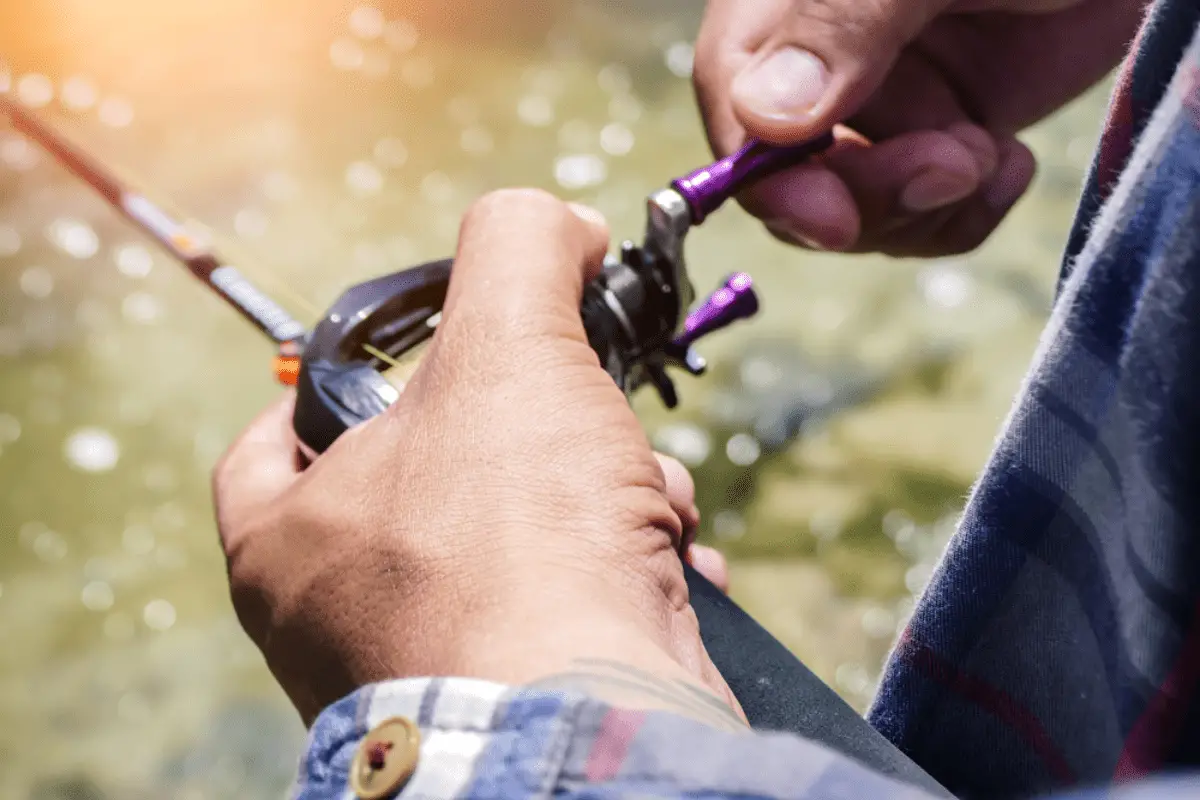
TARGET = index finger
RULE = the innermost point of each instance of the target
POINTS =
(257, 468)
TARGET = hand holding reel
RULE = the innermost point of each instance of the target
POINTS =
(634, 317)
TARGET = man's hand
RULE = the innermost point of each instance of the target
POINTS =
(506, 519)
(933, 93)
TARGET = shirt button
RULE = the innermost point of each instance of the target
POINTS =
(385, 759)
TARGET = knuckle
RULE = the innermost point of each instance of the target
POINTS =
(706, 60)
(237, 543)
(244, 565)
(678, 479)
(846, 25)
(498, 218)
(510, 201)
(833, 14)
(216, 484)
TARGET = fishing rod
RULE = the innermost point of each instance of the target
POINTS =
(170, 234)
(635, 315)
(634, 312)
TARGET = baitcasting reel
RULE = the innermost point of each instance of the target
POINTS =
(351, 367)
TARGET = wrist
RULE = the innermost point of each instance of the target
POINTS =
(588, 634)
(514, 627)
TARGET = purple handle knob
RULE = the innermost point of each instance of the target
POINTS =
(708, 187)
(733, 301)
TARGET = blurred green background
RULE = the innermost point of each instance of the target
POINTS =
(324, 143)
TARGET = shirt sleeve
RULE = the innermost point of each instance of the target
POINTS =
(484, 740)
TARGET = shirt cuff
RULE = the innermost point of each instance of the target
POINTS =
(485, 740)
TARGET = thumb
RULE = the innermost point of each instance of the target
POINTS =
(523, 258)
(822, 61)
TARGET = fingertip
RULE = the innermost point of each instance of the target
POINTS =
(596, 236)
(592, 217)
(710, 563)
(935, 189)
(779, 131)
(947, 153)
(777, 94)
(680, 486)
(978, 218)
(782, 133)
(1013, 177)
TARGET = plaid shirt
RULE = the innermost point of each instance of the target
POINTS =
(483, 740)
(1058, 643)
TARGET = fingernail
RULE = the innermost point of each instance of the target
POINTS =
(784, 230)
(786, 85)
(935, 189)
(981, 144)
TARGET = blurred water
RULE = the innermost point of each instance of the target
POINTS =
(325, 143)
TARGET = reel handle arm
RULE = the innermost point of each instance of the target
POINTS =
(707, 188)
(633, 312)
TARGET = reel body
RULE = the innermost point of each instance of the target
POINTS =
(341, 381)
(632, 314)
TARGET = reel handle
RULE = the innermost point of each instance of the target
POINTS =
(707, 188)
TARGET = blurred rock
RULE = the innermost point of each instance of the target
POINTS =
(913, 435)
(778, 391)
(250, 749)
(78, 788)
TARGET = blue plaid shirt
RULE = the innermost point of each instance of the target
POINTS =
(1057, 646)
